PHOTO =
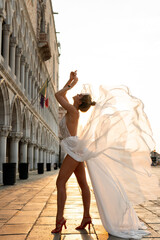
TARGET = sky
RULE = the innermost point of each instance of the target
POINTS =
(112, 42)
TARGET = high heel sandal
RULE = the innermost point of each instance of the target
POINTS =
(59, 226)
(82, 226)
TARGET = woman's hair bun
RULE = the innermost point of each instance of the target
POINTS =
(93, 103)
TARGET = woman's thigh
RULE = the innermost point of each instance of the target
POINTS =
(67, 168)
(81, 174)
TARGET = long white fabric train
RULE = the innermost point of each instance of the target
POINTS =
(115, 144)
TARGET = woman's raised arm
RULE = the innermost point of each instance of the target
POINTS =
(61, 94)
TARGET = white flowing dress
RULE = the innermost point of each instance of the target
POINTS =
(116, 144)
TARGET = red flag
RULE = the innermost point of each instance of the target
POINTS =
(46, 103)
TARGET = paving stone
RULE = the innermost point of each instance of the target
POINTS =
(13, 237)
(79, 237)
(48, 213)
(32, 205)
(107, 237)
(46, 221)
(28, 213)
(100, 229)
(20, 219)
(153, 234)
(41, 232)
(13, 206)
(156, 227)
(15, 229)
(71, 229)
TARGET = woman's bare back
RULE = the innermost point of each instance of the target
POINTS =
(72, 123)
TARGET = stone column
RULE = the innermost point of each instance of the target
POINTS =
(15, 137)
(29, 84)
(12, 54)
(33, 88)
(23, 150)
(36, 156)
(44, 158)
(22, 72)
(52, 161)
(2, 16)
(30, 155)
(3, 141)
(17, 67)
(26, 78)
(6, 34)
(47, 156)
(36, 95)
(41, 155)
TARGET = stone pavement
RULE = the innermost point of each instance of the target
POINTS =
(28, 210)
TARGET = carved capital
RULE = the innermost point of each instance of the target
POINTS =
(4, 131)
(26, 67)
(23, 59)
(24, 140)
(18, 51)
(13, 41)
(30, 73)
(7, 28)
(16, 135)
(36, 83)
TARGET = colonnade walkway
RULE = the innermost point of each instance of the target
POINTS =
(28, 211)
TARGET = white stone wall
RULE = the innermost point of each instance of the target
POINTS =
(28, 132)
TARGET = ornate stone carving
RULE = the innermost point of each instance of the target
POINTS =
(4, 131)
(13, 41)
(23, 59)
(30, 73)
(18, 51)
(24, 140)
(7, 28)
(26, 67)
(16, 135)
(2, 13)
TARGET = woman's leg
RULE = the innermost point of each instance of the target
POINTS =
(67, 168)
(81, 178)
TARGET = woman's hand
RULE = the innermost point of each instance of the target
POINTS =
(75, 80)
(72, 75)
(72, 81)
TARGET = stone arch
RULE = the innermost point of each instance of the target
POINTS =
(38, 133)
(17, 7)
(48, 31)
(4, 104)
(16, 115)
(26, 33)
(2, 109)
(2, 4)
(22, 23)
(43, 136)
(8, 12)
(25, 123)
(47, 139)
(32, 129)
(14, 28)
(19, 38)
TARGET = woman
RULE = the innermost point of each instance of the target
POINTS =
(70, 165)
(115, 144)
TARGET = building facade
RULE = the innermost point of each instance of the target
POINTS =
(29, 54)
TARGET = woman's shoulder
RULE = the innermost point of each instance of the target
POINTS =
(74, 115)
